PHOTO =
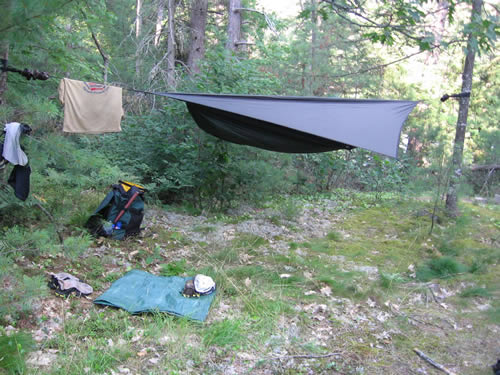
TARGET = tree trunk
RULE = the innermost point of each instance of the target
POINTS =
(414, 148)
(463, 109)
(138, 18)
(138, 25)
(5, 19)
(159, 22)
(314, 37)
(198, 26)
(233, 25)
(171, 45)
(4, 54)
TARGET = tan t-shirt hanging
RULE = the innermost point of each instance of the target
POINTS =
(89, 107)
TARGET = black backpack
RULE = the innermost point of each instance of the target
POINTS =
(120, 214)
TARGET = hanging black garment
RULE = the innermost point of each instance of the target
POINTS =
(3, 162)
(19, 179)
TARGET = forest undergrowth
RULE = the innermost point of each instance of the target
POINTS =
(342, 282)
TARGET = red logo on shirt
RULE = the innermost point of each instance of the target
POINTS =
(95, 88)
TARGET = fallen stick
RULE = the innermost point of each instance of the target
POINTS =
(433, 363)
(305, 356)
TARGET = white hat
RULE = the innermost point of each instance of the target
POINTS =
(203, 284)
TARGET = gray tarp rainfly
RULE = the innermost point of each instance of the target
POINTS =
(300, 124)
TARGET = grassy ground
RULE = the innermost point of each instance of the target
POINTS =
(333, 285)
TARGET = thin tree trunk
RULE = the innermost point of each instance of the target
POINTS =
(171, 45)
(233, 25)
(314, 36)
(198, 26)
(5, 19)
(463, 109)
(138, 26)
(138, 18)
(159, 22)
(4, 53)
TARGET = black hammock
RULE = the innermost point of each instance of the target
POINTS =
(300, 124)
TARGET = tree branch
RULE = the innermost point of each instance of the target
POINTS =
(373, 25)
(35, 16)
(269, 22)
(99, 48)
(305, 356)
(432, 362)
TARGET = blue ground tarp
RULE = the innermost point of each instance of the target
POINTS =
(139, 292)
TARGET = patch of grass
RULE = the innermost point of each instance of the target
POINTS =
(101, 325)
(113, 276)
(205, 229)
(475, 292)
(18, 301)
(493, 313)
(252, 272)
(260, 307)
(290, 210)
(97, 359)
(341, 287)
(249, 241)
(224, 333)
(13, 351)
(320, 246)
(440, 268)
(179, 238)
(95, 269)
(86, 206)
(174, 268)
(275, 219)
(227, 256)
(389, 280)
(237, 219)
(74, 246)
(334, 236)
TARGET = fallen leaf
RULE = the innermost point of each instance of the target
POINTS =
(326, 291)
(246, 356)
(142, 353)
(310, 293)
(132, 254)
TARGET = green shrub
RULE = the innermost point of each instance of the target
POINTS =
(30, 242)
(291, 210)
(388, 280)
(440, 268)
(475, 292)
(13, 351)
(76, 245)
(494, 313)
(175, 268)
(24, 290)
(334, 236)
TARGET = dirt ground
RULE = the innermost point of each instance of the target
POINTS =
(321, 328)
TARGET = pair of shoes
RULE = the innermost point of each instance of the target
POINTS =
(65, 284)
